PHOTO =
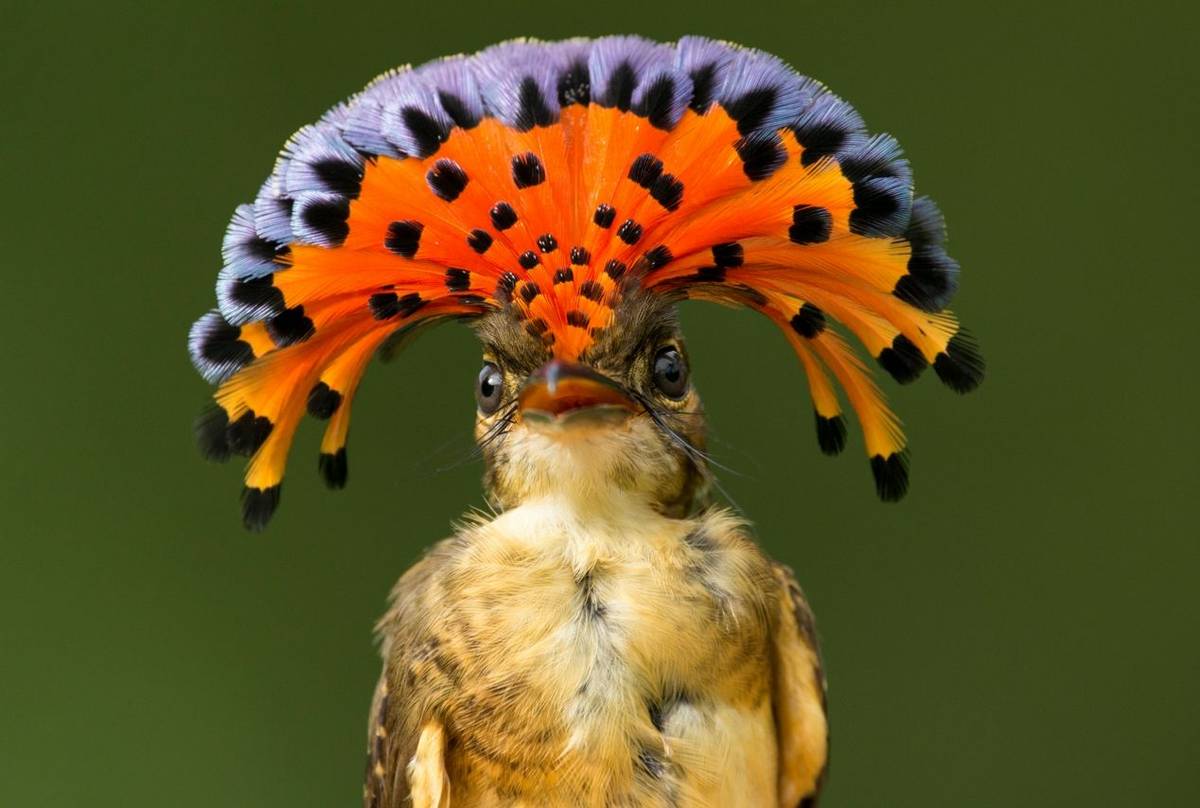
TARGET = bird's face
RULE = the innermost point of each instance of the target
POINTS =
(623, 418)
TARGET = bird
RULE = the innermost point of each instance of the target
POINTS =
(605, 632)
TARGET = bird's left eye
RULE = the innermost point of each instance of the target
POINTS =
(489, 388)
(671, 373)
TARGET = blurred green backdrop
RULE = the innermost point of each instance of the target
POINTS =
(1021, 630)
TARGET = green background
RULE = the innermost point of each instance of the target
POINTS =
(1022, 630)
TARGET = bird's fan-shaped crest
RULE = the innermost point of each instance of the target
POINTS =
(546, 179)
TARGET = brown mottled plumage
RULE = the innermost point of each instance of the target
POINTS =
(606, 638)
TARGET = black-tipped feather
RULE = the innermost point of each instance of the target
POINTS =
(903, 360)
(960, 366)
(258, 505)
(333, 468)
(323, 401)
(831, 434)
(210, 428)
(891, 476)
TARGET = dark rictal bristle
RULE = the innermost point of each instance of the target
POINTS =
(258, 505)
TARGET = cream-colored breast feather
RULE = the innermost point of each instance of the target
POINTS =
(583, 658)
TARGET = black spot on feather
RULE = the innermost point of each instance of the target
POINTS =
(659, 257)
(629, 231)
(328, 218)
(323, 401)
(290, 327)
(547, 242)
(702, 88)
(930, 281)
(503, 216)
(577, 318)
(257, 293)
(222, 345)
(386, 305)
(458, 111)
(574, 86)
(667, 191)
(645, 170)
(809, 321)
(447, 179)
(615, 269)
(960, 366)
(752, 108)
(529, 291)
(903, 360)
(404, 237)
(619, 92)
(879, 207)
(210, 429)
(479, 240)
(810, 225)
(729, 254)
(891, 476)
(339, 176)
(383, 305)
(564, 275)
(258, 505)
(532, 110)
(528, 259)
(707, 274)
(580, 256)
(818, 139)
(457, 279)
(262, 249)
(656, 102)
(591, 290)
(426, 132)
(247, 433)
(504, 287)
(527, 170)
(333, 468)
(604, 215)
(762, 154)
(831, 434)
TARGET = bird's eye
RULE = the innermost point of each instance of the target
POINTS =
(670, 373)
(489, 388)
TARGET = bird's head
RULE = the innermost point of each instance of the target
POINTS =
(624, 418)
(562, 196)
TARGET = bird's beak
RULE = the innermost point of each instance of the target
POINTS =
(561, 394)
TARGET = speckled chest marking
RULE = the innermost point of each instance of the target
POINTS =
(614, 660)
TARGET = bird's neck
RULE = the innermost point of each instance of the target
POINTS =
(601, 497)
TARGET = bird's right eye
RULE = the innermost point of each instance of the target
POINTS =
(489, 388)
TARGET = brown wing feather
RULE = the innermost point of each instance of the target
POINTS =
(400, 710)
(799, 698)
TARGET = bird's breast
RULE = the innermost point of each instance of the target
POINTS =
(609, 656)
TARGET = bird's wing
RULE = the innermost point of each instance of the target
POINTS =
(404, 740)
(799, 698)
